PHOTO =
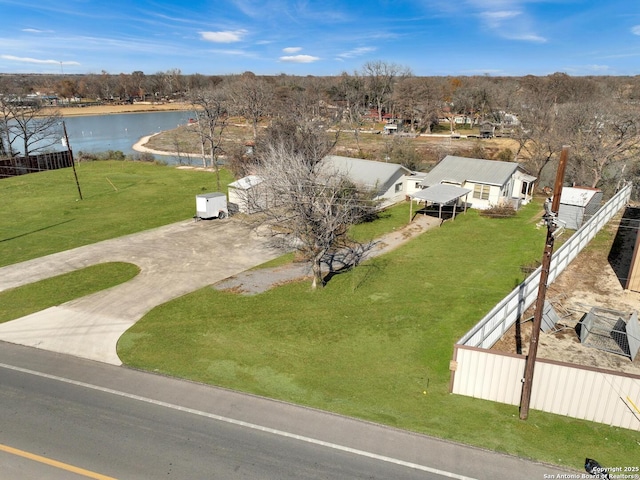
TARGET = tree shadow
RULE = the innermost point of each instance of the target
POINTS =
(345, 259)
(35, 231)
(621, 252)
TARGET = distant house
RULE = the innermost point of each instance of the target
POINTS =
(577, 205)
(487, 130)
(390, 182)
(491, 182)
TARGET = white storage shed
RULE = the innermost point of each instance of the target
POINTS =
(243, 196)
(578, 204)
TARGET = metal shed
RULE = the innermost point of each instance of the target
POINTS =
(578, 204)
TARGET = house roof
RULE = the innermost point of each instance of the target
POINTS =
(245, 183)
(369, 173)
(454, 169)
(441, 194)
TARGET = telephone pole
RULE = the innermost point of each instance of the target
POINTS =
(73, 162)
(551, 212)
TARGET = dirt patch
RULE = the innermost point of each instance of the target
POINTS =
(128, 108)
(260, 280)
(596, 278)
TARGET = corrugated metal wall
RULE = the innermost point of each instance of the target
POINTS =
(579, 392)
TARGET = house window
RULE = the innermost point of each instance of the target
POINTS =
(398, 187)
(417, 185)
(481, 191)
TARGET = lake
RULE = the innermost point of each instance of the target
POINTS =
(99, 133)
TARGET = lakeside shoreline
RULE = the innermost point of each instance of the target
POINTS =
(139, 146)
(116, 109)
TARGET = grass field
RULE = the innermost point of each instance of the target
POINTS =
(41, 213)
(375, 343)
(21, 301)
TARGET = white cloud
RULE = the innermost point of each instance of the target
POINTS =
(228, 36)
(527, 38)
(356, 52)
(495, 18)
(635, 29)
(299, 59)
(35, 30)
(291, 49)
(36, 60)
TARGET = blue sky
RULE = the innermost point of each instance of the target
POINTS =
(298, 37)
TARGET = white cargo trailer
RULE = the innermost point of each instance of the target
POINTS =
(211, 205)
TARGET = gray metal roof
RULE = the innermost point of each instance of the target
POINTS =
(441, 194)
(454, 169)
(245, 183)
(366, 172)
(577, 196)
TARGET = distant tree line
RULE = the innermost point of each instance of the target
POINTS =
(300, 203)
(597, 116)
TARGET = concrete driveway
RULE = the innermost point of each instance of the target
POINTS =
(174, 260)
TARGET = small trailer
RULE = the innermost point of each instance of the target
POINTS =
(211, 205)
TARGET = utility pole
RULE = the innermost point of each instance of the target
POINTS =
(551, 212)
(73, 162)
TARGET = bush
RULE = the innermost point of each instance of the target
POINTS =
(499, 211)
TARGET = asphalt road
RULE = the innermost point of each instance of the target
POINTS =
(114, 422)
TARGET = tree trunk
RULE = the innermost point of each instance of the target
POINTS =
(204, 156)
(316, 268)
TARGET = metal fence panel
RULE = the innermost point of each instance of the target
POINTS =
(578, 392)
(498, 321)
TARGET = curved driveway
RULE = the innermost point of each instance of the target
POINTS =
(174, 260)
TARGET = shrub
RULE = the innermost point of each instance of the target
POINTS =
(499, 211)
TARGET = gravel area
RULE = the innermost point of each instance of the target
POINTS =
(259, 280)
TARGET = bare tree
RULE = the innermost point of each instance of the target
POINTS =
(305, 205)
(211, 110)
(380, 77)
(604, 136)
(540, 135)
(25, 120)
(252, 98)
(417, 100)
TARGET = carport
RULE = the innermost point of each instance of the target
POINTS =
(441, 194)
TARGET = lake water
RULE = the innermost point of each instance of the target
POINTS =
(99, 133)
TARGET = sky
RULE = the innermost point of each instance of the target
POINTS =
(309, 37)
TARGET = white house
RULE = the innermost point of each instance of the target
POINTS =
(491, 182)
(391, 182)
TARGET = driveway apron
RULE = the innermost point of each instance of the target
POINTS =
(174, 260)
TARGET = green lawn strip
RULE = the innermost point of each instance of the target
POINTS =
(31, 298)
(376, 342)
(41, 213)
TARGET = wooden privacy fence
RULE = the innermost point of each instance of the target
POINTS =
(11, 167)
(576, 391)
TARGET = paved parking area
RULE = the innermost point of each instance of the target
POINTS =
(174, 260)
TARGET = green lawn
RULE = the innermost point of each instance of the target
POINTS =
(21, 301)
(376, 342)
(41, 213)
